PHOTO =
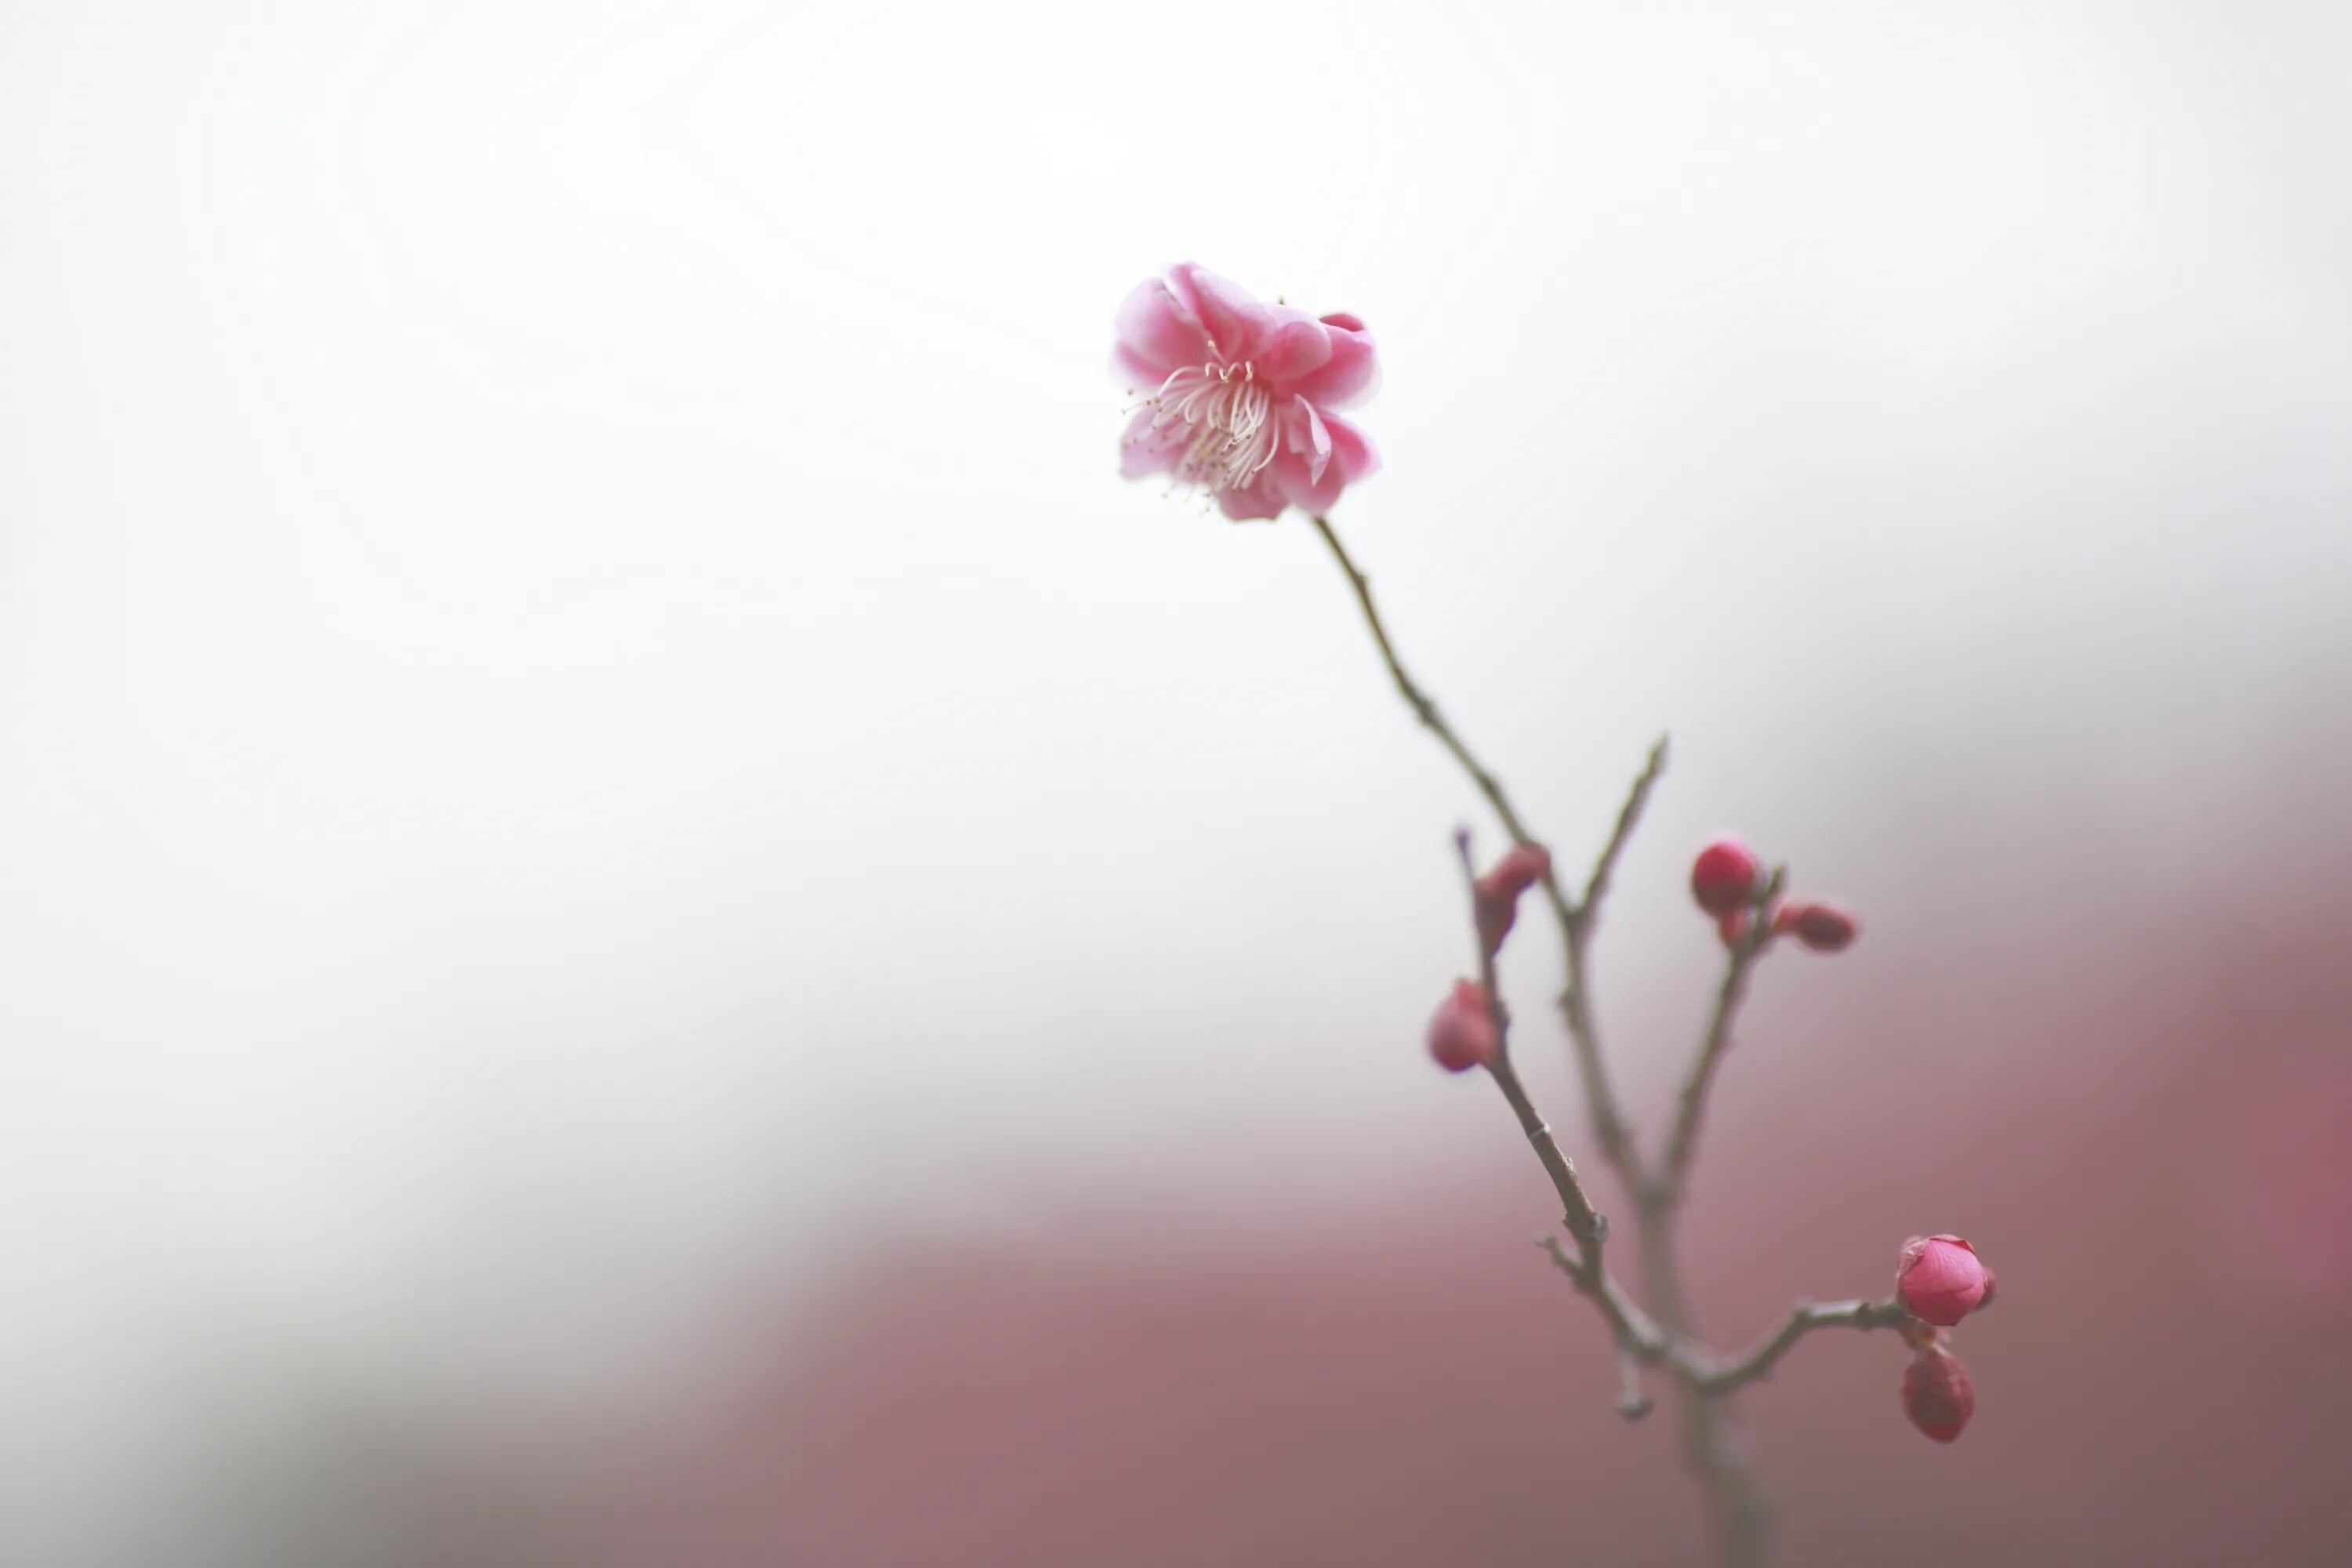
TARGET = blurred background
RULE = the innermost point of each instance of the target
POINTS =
(649, 920)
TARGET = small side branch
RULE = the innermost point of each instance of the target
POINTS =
(1629, 816)
(1802, 1320)
(1631, 1327)
(1673, 1171)
(1609, 1125)
(1633, 1401)
(1638, 1341)
(1585, 1223)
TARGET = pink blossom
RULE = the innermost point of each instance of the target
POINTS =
(1462, 1033)
(1939, 1279)
(1241, 394)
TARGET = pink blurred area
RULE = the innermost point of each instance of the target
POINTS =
(2127, 1083)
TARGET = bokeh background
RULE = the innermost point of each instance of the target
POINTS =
(649, 920)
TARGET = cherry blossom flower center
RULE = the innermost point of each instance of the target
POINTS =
(1227, 414)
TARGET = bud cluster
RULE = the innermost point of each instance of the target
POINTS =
(1939, 1279)
(1727, 881)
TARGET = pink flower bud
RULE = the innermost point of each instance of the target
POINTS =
(1824, 928)
(1939, 1279)
(1462, 1032)
(1937, 1393)
(1497, 892)
(1723, 878)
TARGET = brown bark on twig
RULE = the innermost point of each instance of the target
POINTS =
(1664, 1335)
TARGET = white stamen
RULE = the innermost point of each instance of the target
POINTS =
(1228, 418)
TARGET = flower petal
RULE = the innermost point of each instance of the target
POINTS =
(1288, 471)
(1353, 457)
(1308, 436)
(1157, 335)
(1294, 471)
(1258, 499)
(1351, 373)
(1236, 323)
(1296, 349)
(1144, 450)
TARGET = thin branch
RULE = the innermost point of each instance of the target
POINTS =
(1638, 1340)
(1629, 816)
(1609, 1125)
(1628, 1324)
(1633, 1402)
(1423, 707)
(1673, 1171)
(1802, 1320)
(1584, 1222)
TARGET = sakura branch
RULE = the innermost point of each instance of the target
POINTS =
(1803, 1319)
(1244, 410)
(1575, 920)
(1746, 930)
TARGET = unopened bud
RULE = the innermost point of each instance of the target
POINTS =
(1937, 1279)
(1462, 1033)
(1824, 928)
(1723, 878)
(1937, 1393)
(1497, 892)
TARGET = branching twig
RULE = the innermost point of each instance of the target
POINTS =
(1638, 1340)
(1673, 1171)
(1802, 1320)
(1632, 1401)
(1609, 1126)
(1628, 1324)
(1700, 1379)
(1585, 1223)
(1629, 816)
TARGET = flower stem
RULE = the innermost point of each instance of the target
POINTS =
(1610, 1129)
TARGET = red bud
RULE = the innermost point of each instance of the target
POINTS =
(1824, 928)
(1462, 1033)
(1939, 1279)
(1497, 892)
(1723, 878)
(1937, 1393)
